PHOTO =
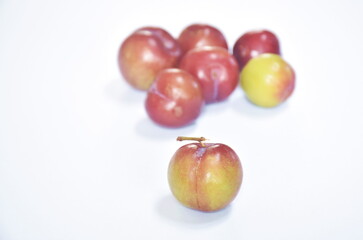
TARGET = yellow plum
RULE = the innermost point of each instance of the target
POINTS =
(267, 80)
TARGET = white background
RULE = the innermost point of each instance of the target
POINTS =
(79, 158)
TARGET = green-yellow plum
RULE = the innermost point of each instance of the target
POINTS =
(205, 176)
(267, 80)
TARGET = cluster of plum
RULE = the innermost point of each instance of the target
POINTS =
(183, 74)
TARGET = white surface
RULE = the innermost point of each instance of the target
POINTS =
(79, 158)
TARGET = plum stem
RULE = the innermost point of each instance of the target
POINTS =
(198, 139)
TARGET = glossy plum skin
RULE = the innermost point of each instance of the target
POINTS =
(205, 177)
(254, 43)
(175, 99)
(267, 80)
(144, 53)
(200, 35)
(216, 70)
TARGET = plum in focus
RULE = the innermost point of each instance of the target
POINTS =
(205, 176)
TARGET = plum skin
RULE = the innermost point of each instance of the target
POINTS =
(175, 98)
(200, 35)
(205, 176)
(254, 43)
(144, 53)
(268, 80)
(216, 70)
